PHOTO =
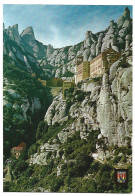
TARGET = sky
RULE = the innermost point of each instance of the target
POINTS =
(61, 25)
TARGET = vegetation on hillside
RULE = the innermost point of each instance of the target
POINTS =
(25, 88)
(79, 173)
(68, 74)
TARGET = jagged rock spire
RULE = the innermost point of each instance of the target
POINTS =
(28, 33)
(125, 16)
(126, 13)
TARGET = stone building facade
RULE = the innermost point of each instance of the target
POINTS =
(17, 151)
(102, 62)
(82, 69)
(54, 82)
(79, 72)
(97, 66)
(67, 85)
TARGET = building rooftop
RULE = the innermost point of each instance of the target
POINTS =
(18, 148)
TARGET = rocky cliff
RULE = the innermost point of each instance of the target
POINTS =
(92, 126)
(103, 104)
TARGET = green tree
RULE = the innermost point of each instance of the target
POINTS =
(42, 129)
(33, 149)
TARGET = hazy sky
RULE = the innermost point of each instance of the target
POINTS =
(61, 25)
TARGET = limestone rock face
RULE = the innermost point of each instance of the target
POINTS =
(124, 17)
(63, 136)
(49, 147)
(13, 33)
(57, 111)
(89, 39)
(93, 49)
(21, 106)
(49, 50)
(106, 107)
(22, 48)
(128, 39)
(115, 113)
(105, 115)
(114, 35)
(99, 44)
(39, 159)
(59, 169)
(28, 34)
(86, 54)
(31, 44)
(126, 13)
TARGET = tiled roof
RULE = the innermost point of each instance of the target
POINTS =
(18, 148)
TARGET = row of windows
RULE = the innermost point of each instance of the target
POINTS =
(96, 72)
(79, 66)
(113, 55)
(95, 68)
(16, 153)
(96, 64)
(112, 61)
(16, 150)
(79, 72)
(87, 66)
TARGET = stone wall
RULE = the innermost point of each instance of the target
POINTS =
(79, 72)
(96, 67)
(86, 70)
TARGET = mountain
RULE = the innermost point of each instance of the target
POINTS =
(61, 61)
(118, 34)
(72, 145)
(24, 96)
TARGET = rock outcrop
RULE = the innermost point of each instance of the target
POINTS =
(28, 35)
(19, 49)
(40, 158)
(22, 106)
(57, 111)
